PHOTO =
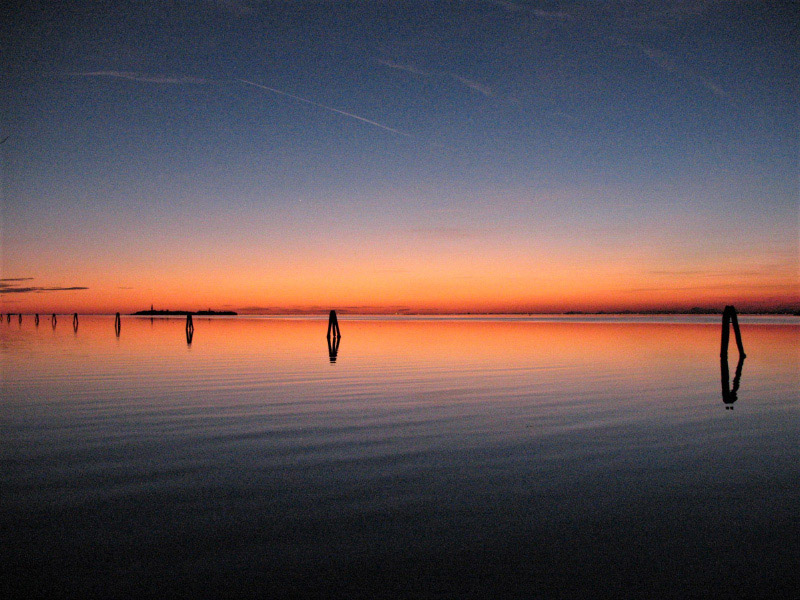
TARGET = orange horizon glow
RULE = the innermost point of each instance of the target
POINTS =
(490, 279)
(424, 301)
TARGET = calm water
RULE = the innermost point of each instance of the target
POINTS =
(434, 458)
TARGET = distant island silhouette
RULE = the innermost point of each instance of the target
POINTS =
(183, 313)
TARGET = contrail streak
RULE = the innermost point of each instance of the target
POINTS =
(330, 108)
(144, 77)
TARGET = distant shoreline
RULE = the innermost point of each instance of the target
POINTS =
(230, 313)
(183, 313)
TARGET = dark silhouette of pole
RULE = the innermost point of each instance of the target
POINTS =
(8, 318)
(54, 320)
(117, 324)
(75, 322)
(729, 318)
(20, 318)
(189, 329)
(36, 319)
(333, 326)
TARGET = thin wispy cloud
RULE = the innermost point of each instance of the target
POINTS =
(407, 68)
(6, 288)
(476, 86)
(444, 232)
(184, 79)
(665, 14)
(556, 15)
(239, 8)
(326, 107)
(665, 61)
(145, 77)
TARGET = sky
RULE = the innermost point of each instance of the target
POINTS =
(383, 156)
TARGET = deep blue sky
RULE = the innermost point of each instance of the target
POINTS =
(647, 145)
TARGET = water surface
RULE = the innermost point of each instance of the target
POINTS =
(533, 457)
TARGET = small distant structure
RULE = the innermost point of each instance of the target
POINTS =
(729, 318)
(117, 324)
(54, 320)
(36, 319)
(20, 318)
(75, 322)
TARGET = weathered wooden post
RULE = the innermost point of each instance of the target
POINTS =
(189, 329)
(20, 318)
(36, 319)
(75, 322)
(117, 324)
(729, 318)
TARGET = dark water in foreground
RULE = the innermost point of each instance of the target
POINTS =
(445, 458)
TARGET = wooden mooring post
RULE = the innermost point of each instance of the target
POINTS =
(20, 318)
(54, 320)
(729, 318)
(117, 324)
(75, 322)
(36, 319)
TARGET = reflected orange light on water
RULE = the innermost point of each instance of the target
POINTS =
(406, 341)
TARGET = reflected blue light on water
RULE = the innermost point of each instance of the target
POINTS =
(446, 457)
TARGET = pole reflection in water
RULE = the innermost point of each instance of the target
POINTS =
(333, 347)
(729, 395)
